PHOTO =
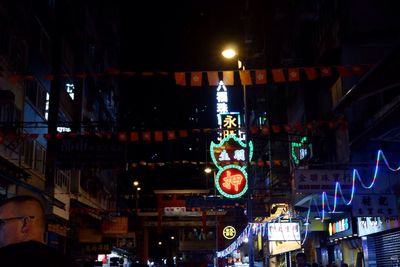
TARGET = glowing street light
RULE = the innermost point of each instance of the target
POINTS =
(229, 54)
(207, 170)
(135, 183)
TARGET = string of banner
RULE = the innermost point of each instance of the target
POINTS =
(261, 228)
(169, 135)
(247, 77)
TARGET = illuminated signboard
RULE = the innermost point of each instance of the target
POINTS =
(230, 151)
(222, 103)
(283, 231)
(228, 122)
(229, 232)
(301, 151)
(340, 228)
(231, 181)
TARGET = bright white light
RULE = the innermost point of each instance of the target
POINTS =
(172, 237)
(207, 170)
(135, 183)
(70, 88)
(138, 189)
(246, 240)
(159, 243)
(228, 53)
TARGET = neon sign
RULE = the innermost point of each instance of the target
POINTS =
(229, 232)
(231, 150)
(231, 181)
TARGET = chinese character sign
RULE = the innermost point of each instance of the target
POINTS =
(231, 150)
(369, 205)
(229, 232)
(316, 181)
(231, 181)
(230, 124)
(229, 156)
(283, 231)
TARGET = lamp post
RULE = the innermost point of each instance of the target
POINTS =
(208, 170)
(230, 53)
(137, 188)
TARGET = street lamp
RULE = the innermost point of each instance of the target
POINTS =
(230, 53)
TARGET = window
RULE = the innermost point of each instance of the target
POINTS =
(37, 96)
(28, 152)
(40, 156)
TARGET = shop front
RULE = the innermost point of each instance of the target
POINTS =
(344, 243)
(283, 238)
(380, 240)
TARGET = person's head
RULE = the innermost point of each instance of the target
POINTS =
(301, 259)
(22, 218)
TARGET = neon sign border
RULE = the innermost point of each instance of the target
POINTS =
(242, 169)
(226, 139)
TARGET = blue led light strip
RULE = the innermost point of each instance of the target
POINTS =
(313, 201)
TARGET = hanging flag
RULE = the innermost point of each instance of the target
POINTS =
(245, 77)
(294, 75)
(146, 136)
(276, 128)
(261, 76)
(171, 135)
(14, 78)
(228, 77)
(147, 73)
(81, 75)
(357, 70)
(278, 75)
(343, 71)
(265, 130)
(180, 78)
(183, 133)
(113, 71)
(48, 77)
(213, 79)
(196, 78)
(311, 73)
(158, 136)
(29, 77)
(134, 136)
(326, 71)
(128, 73)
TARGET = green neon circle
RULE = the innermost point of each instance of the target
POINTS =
(242, 169)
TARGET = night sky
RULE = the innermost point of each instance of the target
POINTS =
(175, 36)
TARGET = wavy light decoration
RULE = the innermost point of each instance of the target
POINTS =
(262, 227)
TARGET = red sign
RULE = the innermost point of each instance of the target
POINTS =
(232, 181)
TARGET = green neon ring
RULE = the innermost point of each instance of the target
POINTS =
(246, 186)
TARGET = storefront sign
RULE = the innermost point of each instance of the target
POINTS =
(340, 228)
(383, 205)
(279, 247)
(230, 124)
(115, 225)
(231, 181)
(229, 232)
(372, 225)
(180, 211)
(283, 231)
(316, 181)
